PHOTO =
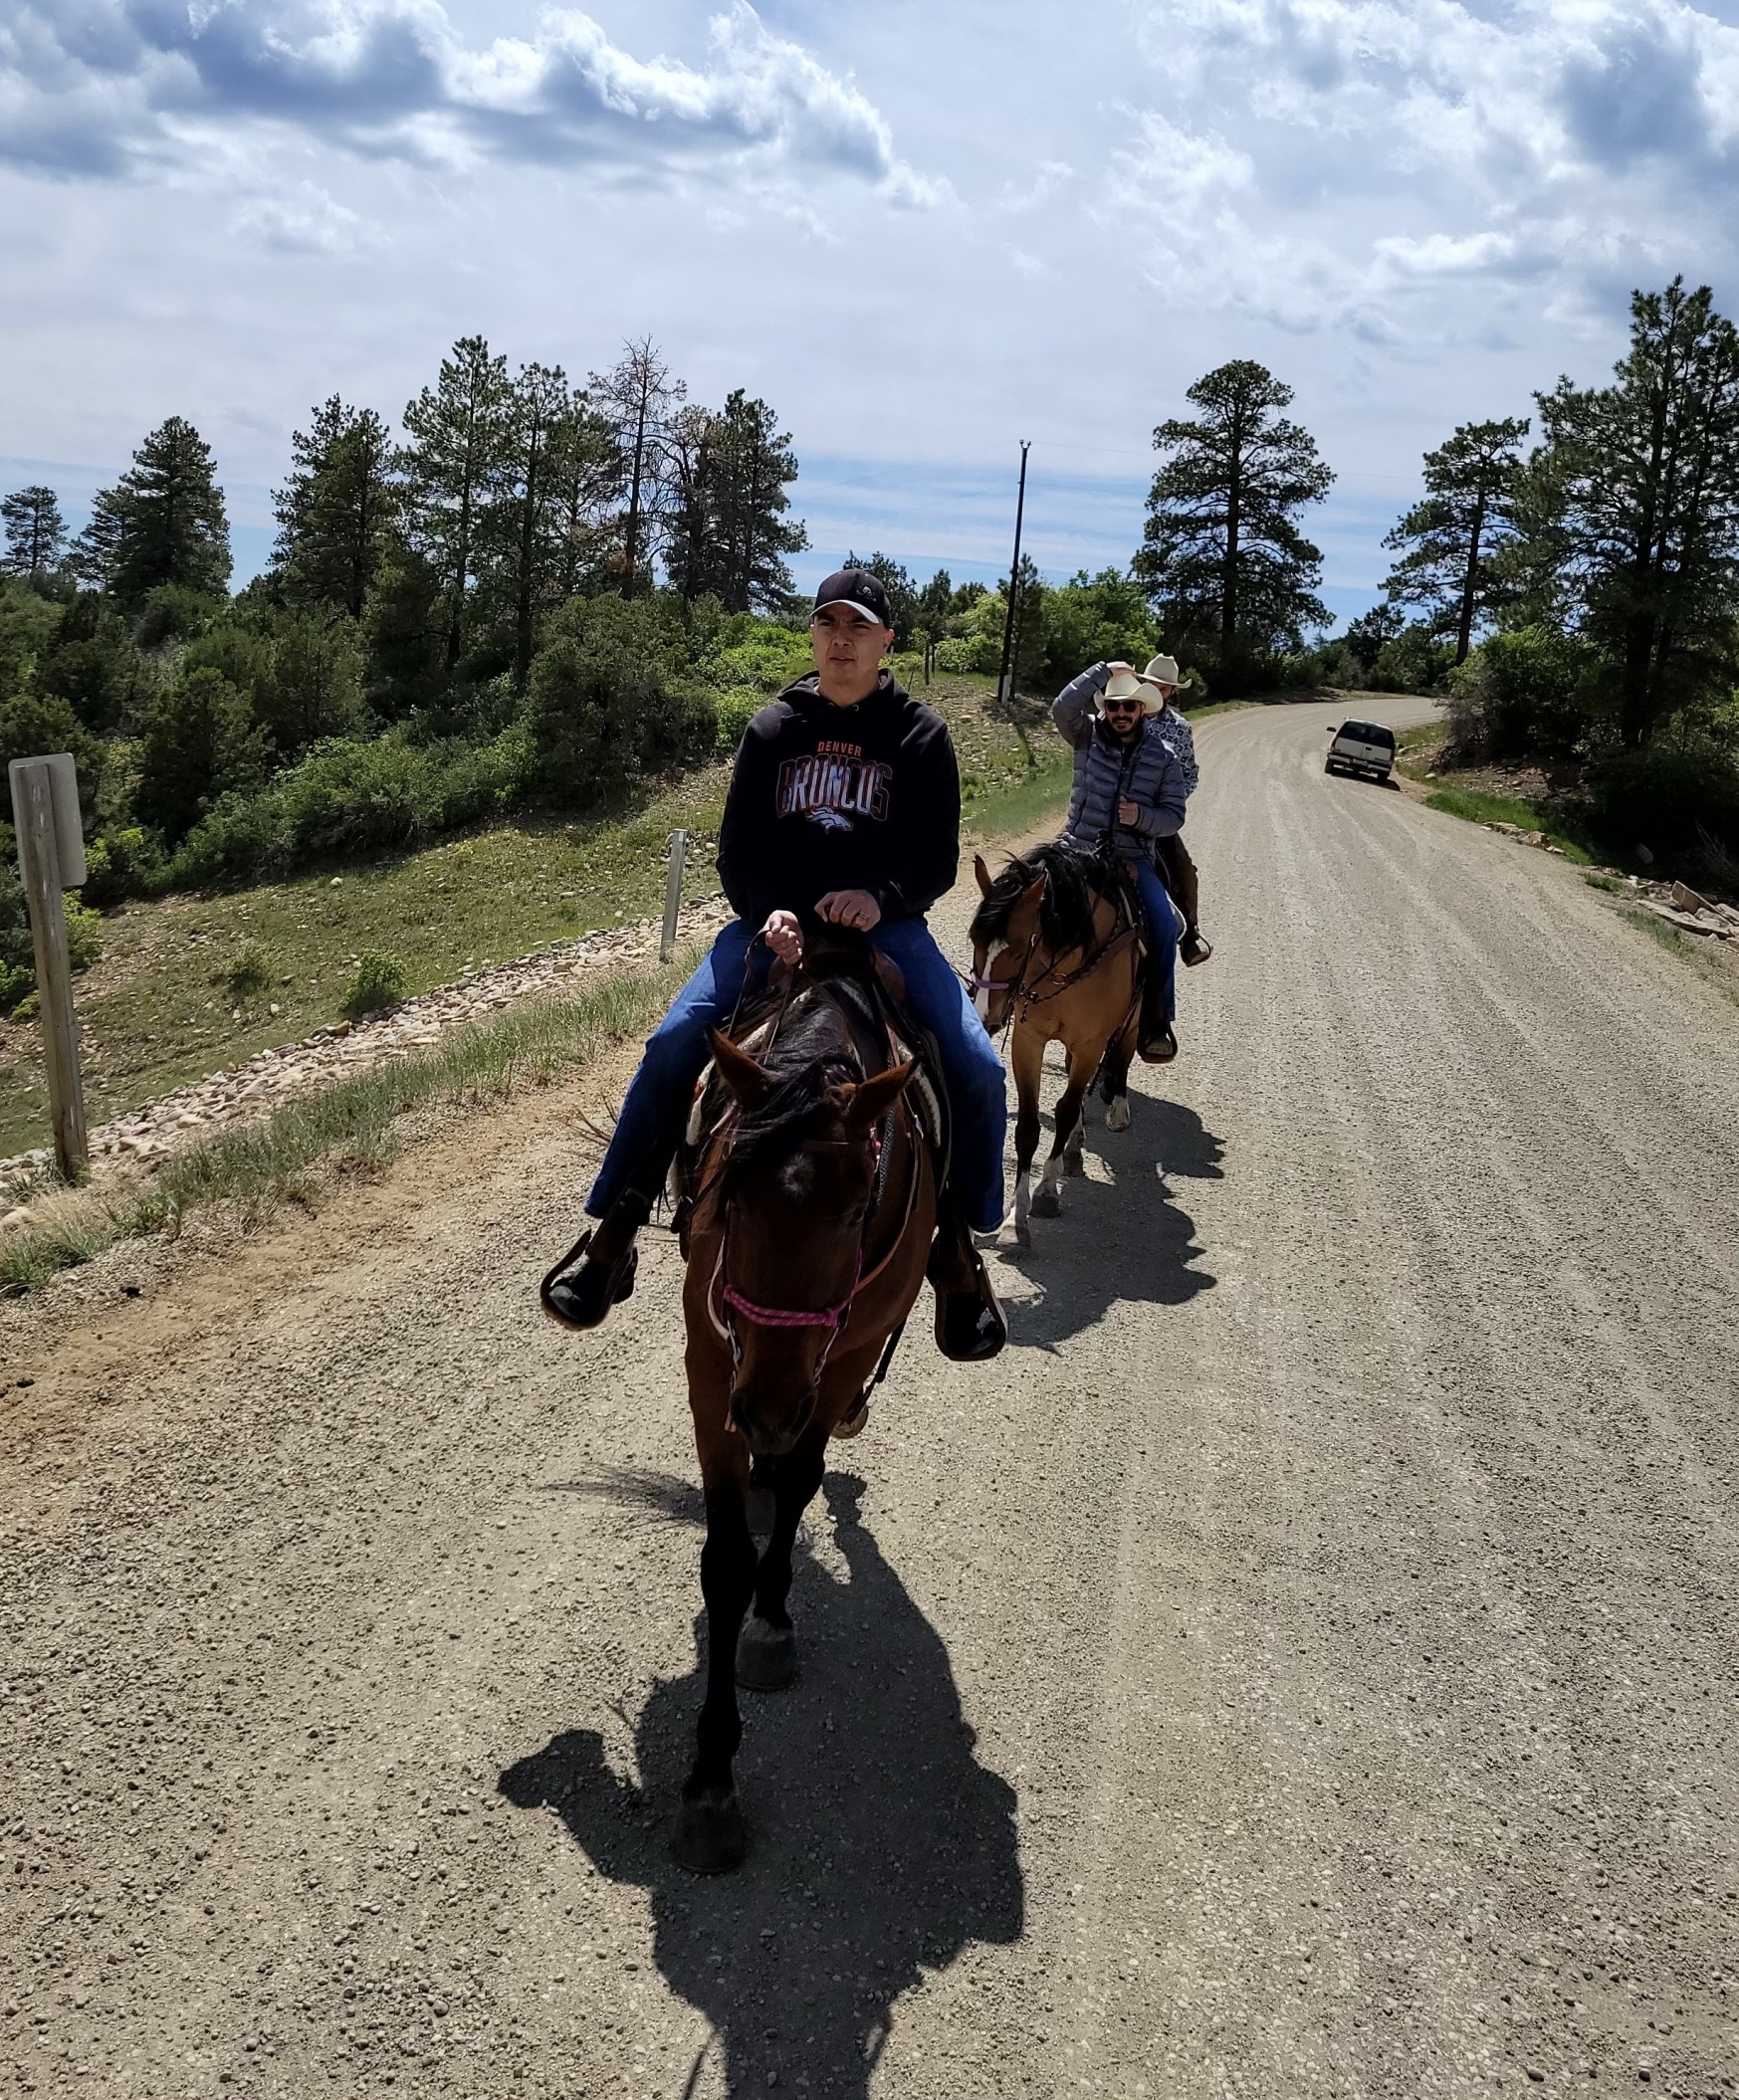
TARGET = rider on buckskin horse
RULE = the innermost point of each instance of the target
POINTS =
(845, 803)
(1129, 788)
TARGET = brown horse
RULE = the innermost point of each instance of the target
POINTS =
(815, 1204)
(1055, 943)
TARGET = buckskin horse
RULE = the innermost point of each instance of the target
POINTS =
(1056, 945)
(806, 1233)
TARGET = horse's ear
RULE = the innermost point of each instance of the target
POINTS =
(982, 873)
(1033, 891)
(873, 1097)
(748, 1081)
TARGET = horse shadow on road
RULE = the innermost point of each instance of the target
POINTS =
(880, 1846)
(1124, 1239)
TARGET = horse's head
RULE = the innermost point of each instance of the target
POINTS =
(795, 1198)
(1005, 932)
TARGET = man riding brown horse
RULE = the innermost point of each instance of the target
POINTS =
(1128, 793)
(843, 804)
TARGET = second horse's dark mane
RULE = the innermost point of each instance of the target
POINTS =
(1074, 882)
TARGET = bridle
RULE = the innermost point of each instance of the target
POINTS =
(1022, 997)
(835, 1317)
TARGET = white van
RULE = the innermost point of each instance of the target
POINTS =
(1362, 747)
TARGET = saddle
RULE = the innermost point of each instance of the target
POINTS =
(869, 993)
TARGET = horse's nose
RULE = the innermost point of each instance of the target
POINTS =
(771, 1428)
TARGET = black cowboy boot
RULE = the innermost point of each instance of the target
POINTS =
(970, 1324)
(597, 1271)
(1154, 1038)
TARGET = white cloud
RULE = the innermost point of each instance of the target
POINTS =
(95, 87)
(1546, 137)
(305, 220)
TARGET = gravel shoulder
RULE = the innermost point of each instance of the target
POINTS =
(1306, 1665)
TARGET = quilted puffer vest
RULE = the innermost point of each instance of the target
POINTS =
(1105, 772)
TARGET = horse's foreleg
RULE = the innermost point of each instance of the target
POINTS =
(1119, 1056)
(766, 1649)
(1029, 1065)
(1048, 1202)
(709, 1836)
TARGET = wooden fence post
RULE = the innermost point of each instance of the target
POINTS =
(39, 865)
(679, 847)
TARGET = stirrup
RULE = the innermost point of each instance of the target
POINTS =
(580, 1289)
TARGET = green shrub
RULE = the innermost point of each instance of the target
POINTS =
(36, 725)
(962, 654)
(125, 862)
(1526, 695)
(1679, 799)
(583, 715)
(201, 742)
(733, 710)
(173, 612)
(380, 982)
(84, 934)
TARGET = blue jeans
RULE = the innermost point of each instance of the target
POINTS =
(1163, 927)
(658, 1100)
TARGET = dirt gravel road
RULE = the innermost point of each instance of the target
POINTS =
(1306, 1665)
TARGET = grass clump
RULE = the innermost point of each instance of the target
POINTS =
(1477, 807)
(251, 971)
(345, 1127)
(380, 983)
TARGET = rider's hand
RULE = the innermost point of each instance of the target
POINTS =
(1126, 812)
(783, 936)
(855, 908)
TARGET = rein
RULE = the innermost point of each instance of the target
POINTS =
(1022, 997)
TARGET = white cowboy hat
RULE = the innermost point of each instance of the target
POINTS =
(1129, 685)
(1163, 671)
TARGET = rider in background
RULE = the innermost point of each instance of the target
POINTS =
(1128, 788)
(843, 804)
(1180, 870)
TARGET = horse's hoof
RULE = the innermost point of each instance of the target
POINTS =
(1116, 1115)
(708, 1835)
(766, 1656)
(853, 1423)
(1048, 1204)
(1023, 1236)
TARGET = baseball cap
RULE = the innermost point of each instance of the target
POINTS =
(861, 592)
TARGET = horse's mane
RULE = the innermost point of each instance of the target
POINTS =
(812, 1056)
(1074, 881)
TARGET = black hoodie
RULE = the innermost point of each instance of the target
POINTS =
(865, 797)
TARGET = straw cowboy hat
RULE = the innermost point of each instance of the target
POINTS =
(1129, 685)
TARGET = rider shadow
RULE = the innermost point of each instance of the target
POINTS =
(881, 1847)
(1127, 1239)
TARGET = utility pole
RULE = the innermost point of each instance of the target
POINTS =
(51, 859)
(1006, 677)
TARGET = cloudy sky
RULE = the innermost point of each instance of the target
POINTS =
(922, 231)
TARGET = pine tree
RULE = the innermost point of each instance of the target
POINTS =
(1453, 540)
(164, 521)
(752, 462)
(1222, 559)
(528, 514)
(336, 511)
(1645, 521)
(453, 466)
(897, 581)
(637, 398)
(201, 741)
(36, 533)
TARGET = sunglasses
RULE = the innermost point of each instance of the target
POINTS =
(1123, 706)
